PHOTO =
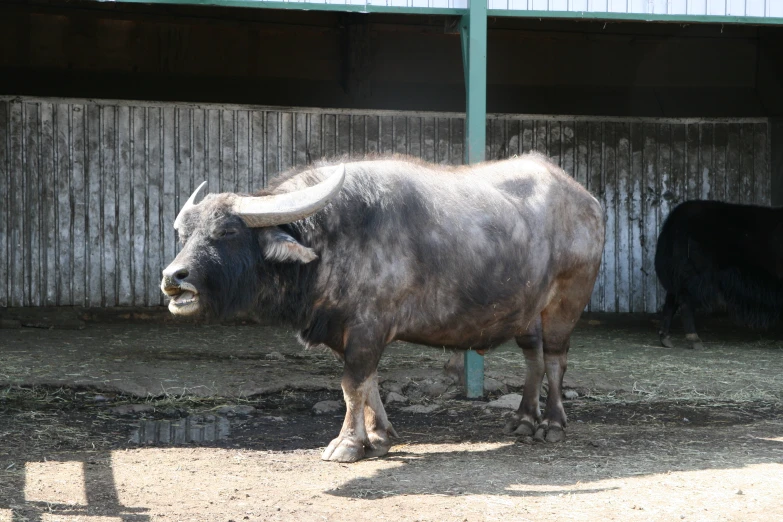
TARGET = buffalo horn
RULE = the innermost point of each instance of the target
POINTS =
(277, 209)
(188, 205)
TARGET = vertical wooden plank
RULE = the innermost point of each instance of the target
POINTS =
(762, 181)
(733, 174)
(155, 176)
(286, 144)
(582, 152)
(707, 144)
(183, 176)
(316, 138)
(64, 253)
(636, 217)
(46, 227)
(227, 162)
(720, 174)
(94, 181)
(514, 136)
(678, 167)
(258, 147)
(329, 136)
(33, 217)
(5, 197)
(608, 266)
(649, 224)
(343, 134)
(212, 149)
(568, 145)
(125, 209)
(746, 162)
(16, 242)
(554, 145)
(243, 147)
(138, 173)
(165, 204)
(496, 139)
(428, 139)
(692, 142)
(457, 155)
(300, 139)
(595, 184)
(414, 136)
(373, 137)
(443, 141)
(199, 161)
(665, 195)
(527, 135)
(400, 134)
(623, 222)
(5, 194)
(109, 196)
(541, 135)
(79, 190)
(272, 140)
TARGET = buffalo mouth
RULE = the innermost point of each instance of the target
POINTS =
(184, 299)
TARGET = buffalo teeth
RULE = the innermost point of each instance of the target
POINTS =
(184, 297)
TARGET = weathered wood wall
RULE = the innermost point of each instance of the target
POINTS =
(89, 190)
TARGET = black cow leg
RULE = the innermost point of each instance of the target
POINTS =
(669, 309)
(360, 390)
(689, 323)
(525, 420)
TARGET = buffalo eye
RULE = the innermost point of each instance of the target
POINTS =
(225, 232)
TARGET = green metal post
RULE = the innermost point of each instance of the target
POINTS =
(473, 31)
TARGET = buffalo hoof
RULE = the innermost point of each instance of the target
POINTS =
(344, 449)
(694, 342)
(519, 426)
(552, 433)
(666, 341)
(380, 442)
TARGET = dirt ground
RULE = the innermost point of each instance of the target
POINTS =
(139, 421)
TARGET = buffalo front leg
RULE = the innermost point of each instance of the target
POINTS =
(379, 429)
(365, 426)
(525, 420)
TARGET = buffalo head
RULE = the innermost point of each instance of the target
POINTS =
(229, 241)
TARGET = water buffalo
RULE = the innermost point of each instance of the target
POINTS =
(363, 253)
(712, 255)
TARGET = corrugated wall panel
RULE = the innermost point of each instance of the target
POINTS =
(89, 190)
(757, 8)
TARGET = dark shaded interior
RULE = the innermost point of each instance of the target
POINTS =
(379, 61)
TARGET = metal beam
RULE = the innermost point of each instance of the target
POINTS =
(473, 33)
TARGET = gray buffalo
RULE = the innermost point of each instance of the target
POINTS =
(360, 254)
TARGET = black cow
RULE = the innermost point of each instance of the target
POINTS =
(361, 254)
(714, 255)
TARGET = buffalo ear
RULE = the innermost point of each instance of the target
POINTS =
(279, 246)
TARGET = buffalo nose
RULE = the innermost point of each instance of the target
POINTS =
(176, 275)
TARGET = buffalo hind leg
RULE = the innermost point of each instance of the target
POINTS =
(558, 320)
(525, 420)
(669, 309)
(689, 323)
(358, 437)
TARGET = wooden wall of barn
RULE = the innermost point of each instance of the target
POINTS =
(89, 190)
